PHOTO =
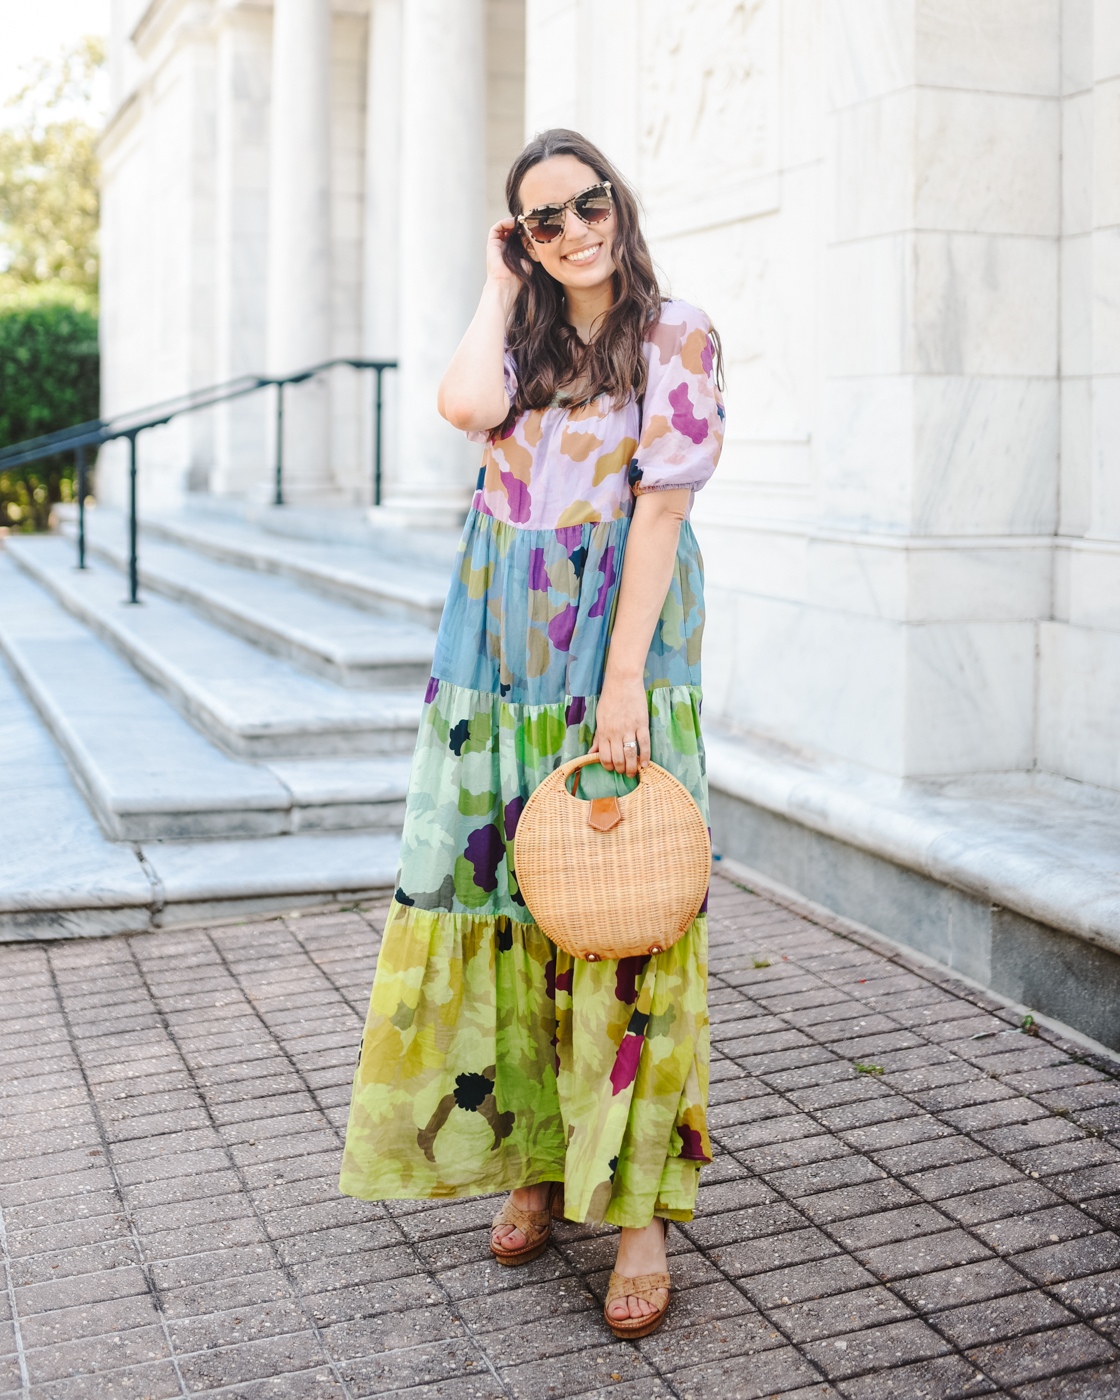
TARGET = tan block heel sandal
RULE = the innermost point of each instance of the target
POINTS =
(644, 1287)
(535, 1225)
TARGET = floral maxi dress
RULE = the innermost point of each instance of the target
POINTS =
(490, 1058)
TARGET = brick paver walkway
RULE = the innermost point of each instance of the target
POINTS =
(173, 1106)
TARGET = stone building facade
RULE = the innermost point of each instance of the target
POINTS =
(902, 215)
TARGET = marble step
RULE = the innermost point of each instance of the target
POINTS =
(392, 585)
(345, 644)
(148, 774)
(61, 877)
(251, 704)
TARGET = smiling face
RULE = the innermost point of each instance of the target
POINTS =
(580, 259)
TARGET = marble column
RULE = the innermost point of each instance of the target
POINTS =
(299, 235)
(441, 242)
(380, 262)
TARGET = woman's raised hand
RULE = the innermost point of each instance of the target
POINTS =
(497, 270)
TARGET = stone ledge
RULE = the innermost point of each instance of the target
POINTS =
(1013, 880)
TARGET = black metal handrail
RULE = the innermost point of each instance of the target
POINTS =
(79, 438)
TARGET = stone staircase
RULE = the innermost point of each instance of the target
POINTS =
(241, 739)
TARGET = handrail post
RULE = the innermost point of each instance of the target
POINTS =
(80, 464)
(133, 572)
(377, 438)
(279, 498)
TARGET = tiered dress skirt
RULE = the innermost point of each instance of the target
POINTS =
(490, 1058)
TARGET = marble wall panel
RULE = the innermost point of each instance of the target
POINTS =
(505, 98)
(985, 305)
(989, 45)
(858, 576)
(1105, 519)
(872, 146)
(868, 48)
(1106, 153)
(769, 563)
(985, 456)
(1106, 40)
(708, 107)
(1077, 304)
(1075, 489)
(1077, 45)
(1077, 163)
(969, 698)
(867, 291)
(551, 64)
(981, 582)
(802, 86)
(1094, 584)
(1008, 150)
(866, 431)
(1106, 301)
(824, 680)
(1078, 717)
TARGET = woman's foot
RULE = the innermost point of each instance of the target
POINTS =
(640, 1252)
(509, 1237)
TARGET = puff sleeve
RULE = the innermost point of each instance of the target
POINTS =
(510, 368)
(682, 413)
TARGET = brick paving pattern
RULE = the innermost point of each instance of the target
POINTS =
(173, 1109)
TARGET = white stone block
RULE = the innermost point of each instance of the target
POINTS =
(769, 563)
(1106, 301)
(867, 295)
(802, 87)
(1077, 164)
(986, 163)
(825, 680)
(989, 45)
(1106, 40)
(1106, 153)
(985, 456)
(858, 576)
(969, 698)
(1077, 304)
(982, 582)
(1094, 584)
(866, 445)
(868, 47)
(985, 305)
(1077, 457)
(1078, 717)
(1077, 45)
(873, 160)
(1105, 521)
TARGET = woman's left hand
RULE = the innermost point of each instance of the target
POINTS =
(621, 718)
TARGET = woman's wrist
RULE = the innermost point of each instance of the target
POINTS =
(503, 292)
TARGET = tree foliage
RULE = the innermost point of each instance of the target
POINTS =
(48, 175)
(49, 379)
(49, 370)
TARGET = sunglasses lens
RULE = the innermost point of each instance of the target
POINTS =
(545, 224)
(594, 206)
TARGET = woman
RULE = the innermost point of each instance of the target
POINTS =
(491, 1060)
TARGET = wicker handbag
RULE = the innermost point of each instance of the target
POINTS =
(617, 877)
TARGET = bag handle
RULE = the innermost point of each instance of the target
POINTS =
(576, 764)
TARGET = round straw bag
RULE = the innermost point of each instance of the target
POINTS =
(617, 877)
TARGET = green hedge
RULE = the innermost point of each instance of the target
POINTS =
(49, 379)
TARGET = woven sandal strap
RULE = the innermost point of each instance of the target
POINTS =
(641, 1287)
(529, 1222)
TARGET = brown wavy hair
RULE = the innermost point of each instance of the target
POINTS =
(546, 349)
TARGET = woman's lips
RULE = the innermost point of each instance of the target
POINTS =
(582, 256)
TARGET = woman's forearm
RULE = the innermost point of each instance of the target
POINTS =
(622, 738)
(651, 552)
(472, 393)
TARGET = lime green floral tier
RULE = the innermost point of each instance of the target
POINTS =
(491, 1059)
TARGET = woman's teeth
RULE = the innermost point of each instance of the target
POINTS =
(583, 254)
